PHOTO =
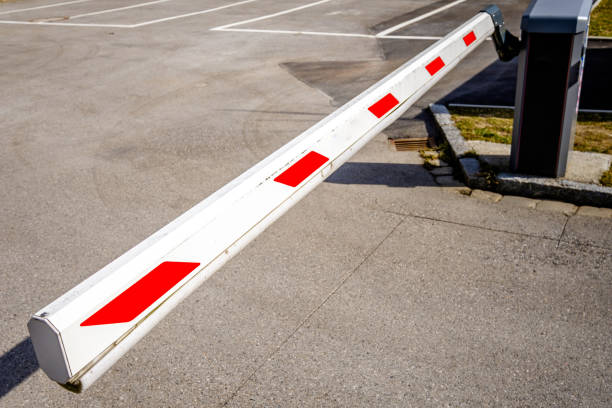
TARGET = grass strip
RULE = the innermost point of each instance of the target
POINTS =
(593, 130)
(601, 20)
(606, 178)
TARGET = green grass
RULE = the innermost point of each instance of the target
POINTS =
(593, 131)
(606, 178)
(601, 20)
(490, 125)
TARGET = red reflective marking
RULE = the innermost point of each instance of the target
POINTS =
(470, 38)
(434, 66)
(383, 106)
(303, 168)
(142, 294)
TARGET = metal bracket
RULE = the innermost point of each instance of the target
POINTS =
(507, 45)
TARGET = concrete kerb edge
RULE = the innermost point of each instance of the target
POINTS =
(515, 184)
(598, 38)
(469, 166)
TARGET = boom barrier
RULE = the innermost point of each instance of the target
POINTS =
(84, 332)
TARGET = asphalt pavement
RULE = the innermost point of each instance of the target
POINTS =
(380, 288)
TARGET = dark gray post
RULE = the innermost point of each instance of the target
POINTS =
(554, 36)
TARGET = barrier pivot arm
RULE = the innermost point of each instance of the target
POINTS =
(83, 333)
(507, 45)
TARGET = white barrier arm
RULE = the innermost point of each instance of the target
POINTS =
(84, 332)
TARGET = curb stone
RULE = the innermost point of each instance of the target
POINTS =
(557, 206)
(486, 196)
(517, 201)
(594, 212)
(515, 184)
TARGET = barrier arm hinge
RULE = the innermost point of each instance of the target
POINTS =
(507, 45)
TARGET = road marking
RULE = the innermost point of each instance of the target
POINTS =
(48, 23)
(417, 19)
(328, 34)
(117, 9)
(195, 13)
(255, 30)
(43, 7)
(229, 27)
(226, 27)
(280, 13)
(409, 37)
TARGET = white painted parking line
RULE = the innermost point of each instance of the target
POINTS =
(94, 13)
(230, 27)
(48, 23)
(161, 20)
(419, 18)
(410, 37)
(255, 30)
(329, 34)
(280, 13)
(43, 7)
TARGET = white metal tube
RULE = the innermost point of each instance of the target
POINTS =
(84, 332)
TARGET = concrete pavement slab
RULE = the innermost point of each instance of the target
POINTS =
(589, 230)
(220, 334)
(457, 317)
(417, 198)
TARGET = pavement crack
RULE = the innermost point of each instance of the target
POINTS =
(422, 217)
(523, 234)
(312, 312)
(562, 232)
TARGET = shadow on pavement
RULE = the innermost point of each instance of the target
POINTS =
(389, 174)
(16, 365)
(495, 84)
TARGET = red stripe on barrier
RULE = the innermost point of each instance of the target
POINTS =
(470, 38)
(383, 106)
(142, 294)
(434, 66)
(303, 168)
